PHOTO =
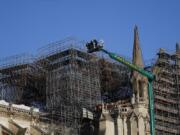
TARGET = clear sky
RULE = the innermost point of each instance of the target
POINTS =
(26, 25)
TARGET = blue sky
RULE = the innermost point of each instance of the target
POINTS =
(26, 25)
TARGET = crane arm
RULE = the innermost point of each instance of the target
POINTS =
(149, 75)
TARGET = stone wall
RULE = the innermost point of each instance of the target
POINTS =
(19, 119)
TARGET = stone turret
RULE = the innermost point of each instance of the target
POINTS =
(139, 119)
(139, 82)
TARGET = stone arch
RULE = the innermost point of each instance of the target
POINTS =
(133, 124)
(120, 124)
(141, 124)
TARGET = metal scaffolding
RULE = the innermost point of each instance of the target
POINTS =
(63, 79)
(115, 81)
(72, 83)
(62, 75)
(167, 93)
(20, 80)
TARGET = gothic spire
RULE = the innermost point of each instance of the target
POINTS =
(137, 54)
